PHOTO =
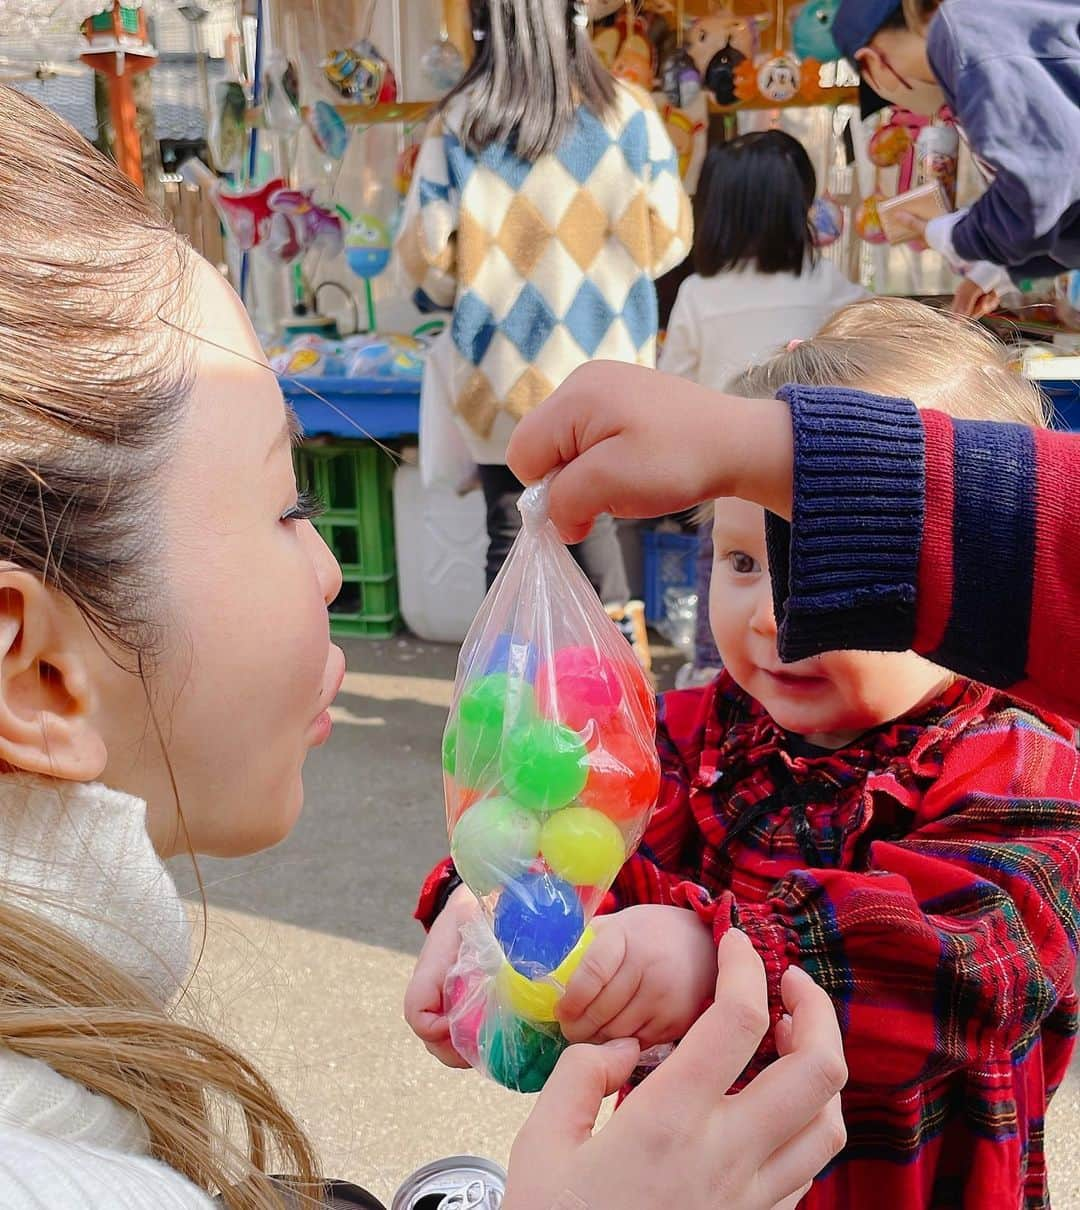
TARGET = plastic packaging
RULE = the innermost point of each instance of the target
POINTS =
(550, 774)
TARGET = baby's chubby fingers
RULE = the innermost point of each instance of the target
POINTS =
(598, 968)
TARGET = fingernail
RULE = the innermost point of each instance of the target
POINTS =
(740, 938)
(797, 972)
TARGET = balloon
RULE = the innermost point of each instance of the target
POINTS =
(582, 846)
(494, 840)
(367, 246)
(538, 921)
(578, 687)
(520, 1056)
(544, 765)
(889, 145)
(535, 999)
(624, 777)
(442, 66)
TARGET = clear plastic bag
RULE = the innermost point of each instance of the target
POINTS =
(550, 773)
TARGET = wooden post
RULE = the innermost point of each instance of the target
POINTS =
(122, 111)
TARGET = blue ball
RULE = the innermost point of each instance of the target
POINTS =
(538, 921)
(513, 656)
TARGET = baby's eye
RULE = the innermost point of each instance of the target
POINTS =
(742, 563)
(306, 508)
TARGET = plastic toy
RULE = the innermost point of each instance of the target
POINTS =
(535, 999)
(811, 32)
(538, 921)
(518, 1054)
(495, 836)
(827, 220)
(582, 846)
(868, 221)
(367, 246)
(544, 765)
(551, 772)
(361, 74)
(281, 95)
(442, 65)
(328, 129)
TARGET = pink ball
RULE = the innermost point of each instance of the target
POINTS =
(579, 687)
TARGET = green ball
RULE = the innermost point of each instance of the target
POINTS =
(489, 707)
(544, 766)
(519, 1055)
(494, 842)
(583, 847)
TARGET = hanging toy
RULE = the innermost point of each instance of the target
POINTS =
(889, 144)
(442, 64)
(367, 246)
(811, 32)
(718, 45)
(780, 78)
(826, 220)
(328, 129)
(281, 95)
(227, 136)
(405, 168)
(680, 79)
(361, 74)
(868, 221)
(298, 224)
(687, 130)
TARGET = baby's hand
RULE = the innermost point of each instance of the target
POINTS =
(424, 1008)
(648, 975)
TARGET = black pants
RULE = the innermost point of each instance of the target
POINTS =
(600, 555)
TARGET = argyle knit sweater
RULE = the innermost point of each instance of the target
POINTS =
(545, 265)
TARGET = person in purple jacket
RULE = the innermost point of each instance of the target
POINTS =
(1010, 72)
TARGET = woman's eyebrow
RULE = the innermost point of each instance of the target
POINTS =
(291, 433)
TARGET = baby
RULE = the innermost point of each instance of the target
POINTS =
(909, 838)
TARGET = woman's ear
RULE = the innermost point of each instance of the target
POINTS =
(46, 700)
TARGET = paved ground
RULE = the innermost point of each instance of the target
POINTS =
(309, 947)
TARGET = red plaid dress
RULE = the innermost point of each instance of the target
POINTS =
(927, 877)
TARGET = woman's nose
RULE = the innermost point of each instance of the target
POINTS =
(326, 568)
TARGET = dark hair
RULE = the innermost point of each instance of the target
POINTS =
(754, 206)
(534, 66)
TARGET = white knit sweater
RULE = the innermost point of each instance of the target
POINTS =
(80, 857)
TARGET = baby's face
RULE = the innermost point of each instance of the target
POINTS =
(829, 699)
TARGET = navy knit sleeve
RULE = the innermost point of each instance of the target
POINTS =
(845, 572)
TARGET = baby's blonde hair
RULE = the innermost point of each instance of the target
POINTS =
(895, 346)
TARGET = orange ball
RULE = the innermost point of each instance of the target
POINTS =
(624, 776)
(458, 800)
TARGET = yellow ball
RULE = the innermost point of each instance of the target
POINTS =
(583, 846)
(535, 999)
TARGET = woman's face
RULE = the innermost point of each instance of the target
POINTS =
(248, 671)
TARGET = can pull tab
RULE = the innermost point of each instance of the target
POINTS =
(477, 1195)
(533, 504)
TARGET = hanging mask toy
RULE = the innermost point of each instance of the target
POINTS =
(811, 31)
(367, 246)
(361, 74)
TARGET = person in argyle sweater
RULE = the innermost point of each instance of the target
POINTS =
(910, 839)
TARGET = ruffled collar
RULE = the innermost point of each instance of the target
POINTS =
(740, 735)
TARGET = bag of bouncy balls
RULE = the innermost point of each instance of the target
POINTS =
(550, 775)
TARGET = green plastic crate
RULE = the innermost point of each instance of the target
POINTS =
(354, 480)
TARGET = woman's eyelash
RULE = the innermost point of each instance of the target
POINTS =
(307, 508)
